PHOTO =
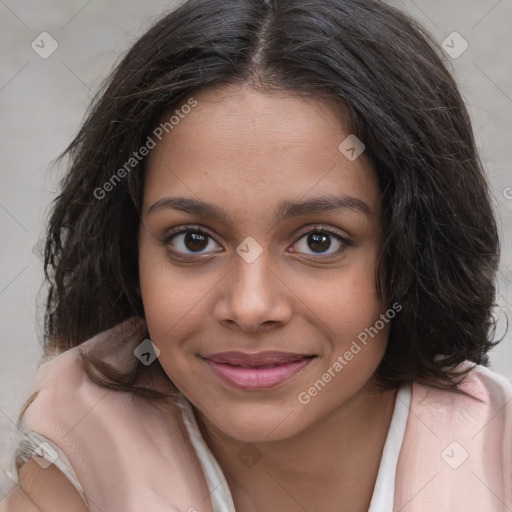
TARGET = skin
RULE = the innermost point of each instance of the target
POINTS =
(245, 152)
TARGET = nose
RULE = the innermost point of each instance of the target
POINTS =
(254, 297)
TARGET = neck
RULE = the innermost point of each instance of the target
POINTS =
(330, 463)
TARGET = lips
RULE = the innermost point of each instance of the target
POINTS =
(254, 371)
(256, 359)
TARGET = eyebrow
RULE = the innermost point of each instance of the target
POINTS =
(285, 210)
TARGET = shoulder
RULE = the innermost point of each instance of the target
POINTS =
(469, 431)
(62, 389)
(497, 386)
(481, 395)
(480, 385)
(62, 395)
(479, 417)
(105, 432)
(484, 384)
(42, 490)
(63, 398)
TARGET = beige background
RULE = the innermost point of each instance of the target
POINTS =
(42, 102)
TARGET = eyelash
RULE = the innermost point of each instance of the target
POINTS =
(345, 243)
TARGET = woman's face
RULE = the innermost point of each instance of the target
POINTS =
(231, 268)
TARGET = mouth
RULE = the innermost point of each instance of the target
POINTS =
(262, 370)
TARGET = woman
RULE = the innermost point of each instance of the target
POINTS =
(271, 273)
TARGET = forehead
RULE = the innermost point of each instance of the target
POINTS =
(254, 148)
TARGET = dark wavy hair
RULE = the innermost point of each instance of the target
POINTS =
(440, 247)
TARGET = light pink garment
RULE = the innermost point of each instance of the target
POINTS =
(127, 456)
(456, 454)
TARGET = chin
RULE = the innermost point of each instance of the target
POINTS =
(253, 424)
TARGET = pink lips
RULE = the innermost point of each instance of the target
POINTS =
(257, 371)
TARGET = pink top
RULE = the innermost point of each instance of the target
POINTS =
(443, 451)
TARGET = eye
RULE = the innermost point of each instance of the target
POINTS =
(189, 240)
(321, 241)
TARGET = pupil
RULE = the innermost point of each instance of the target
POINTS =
(319, 241)
(195, 241)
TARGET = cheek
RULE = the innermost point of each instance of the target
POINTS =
(356, 310)
(345, 302)
(158, 283)
(165, 299)
(152, 280)
(173, 298)
(348, 305)
(362, 330)
(361, 333)
(359, 329)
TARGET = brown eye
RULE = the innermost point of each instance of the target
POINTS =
(187, 241)
(319, 241)
(195, 241)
